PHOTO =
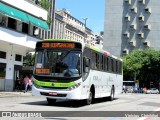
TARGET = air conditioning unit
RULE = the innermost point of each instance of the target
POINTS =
(125, 51)
(132, 43)
(146, 43)
(127, 2)
(141, 18)
(141, 1)
(148, 10)
(134, 10)
(133, 27)
(140, 35)
(147, 27)
(126, 35)
(127, 18)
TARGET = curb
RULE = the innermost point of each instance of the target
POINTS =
(14, 94)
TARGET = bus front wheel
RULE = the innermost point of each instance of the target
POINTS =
(51, 101)
(90, 98)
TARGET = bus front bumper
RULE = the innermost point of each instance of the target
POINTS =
(74, 94)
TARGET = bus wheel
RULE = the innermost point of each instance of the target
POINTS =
(90, 98)
(111, 97)
(51, 101)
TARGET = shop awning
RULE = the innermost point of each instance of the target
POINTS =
(37, 22)
(14, 13)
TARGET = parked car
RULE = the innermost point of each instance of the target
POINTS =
(152, 91)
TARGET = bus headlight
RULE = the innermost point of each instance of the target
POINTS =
(74, 87)
(34, 83)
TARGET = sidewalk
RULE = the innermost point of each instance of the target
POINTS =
(15, 94)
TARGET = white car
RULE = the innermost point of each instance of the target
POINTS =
(152, 91)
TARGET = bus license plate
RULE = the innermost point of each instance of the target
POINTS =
(52, 93)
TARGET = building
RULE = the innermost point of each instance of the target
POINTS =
(74, 29)
(130, 25)
(18, 27)
(59, 27)
(47, 34)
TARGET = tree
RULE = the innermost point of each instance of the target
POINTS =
(28, 60)
(45, 4)
(145, 64)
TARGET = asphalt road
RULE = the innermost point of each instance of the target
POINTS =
(98, 110)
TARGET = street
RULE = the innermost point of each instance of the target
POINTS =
(122, 102)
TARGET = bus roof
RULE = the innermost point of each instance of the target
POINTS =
(87, 45)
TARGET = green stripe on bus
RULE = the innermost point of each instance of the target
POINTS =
(54, 84)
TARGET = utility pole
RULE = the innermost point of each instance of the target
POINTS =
(85, 23)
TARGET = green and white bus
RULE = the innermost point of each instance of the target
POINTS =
(66, 69)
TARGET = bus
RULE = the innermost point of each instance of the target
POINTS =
(66, 69)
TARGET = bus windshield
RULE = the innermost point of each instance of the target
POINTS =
(58, 63)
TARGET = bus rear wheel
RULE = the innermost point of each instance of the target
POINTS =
(51, 101)
(111, 97)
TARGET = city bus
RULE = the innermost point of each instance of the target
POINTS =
(66, 69)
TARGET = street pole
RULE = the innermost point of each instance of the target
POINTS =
(85, 23)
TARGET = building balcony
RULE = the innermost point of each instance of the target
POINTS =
(28, 6)
(18, 38)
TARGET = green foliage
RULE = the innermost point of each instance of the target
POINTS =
(48, 20)
(45, 4)
(28, 60)
(144, 63)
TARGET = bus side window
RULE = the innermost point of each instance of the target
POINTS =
(93, 60)
(86, 64)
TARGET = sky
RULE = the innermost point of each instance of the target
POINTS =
(94, 10)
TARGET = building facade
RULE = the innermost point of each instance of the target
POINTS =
(130, 25)
(47, 34)
(18, 26)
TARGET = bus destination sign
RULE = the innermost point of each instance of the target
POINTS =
(58, 45)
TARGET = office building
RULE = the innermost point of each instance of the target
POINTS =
(130, 25)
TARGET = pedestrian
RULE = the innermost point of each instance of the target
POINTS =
(26, 83)
(124, 88)
(18, 83)
(30, 82)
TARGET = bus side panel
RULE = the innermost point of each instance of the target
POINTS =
(102, 82)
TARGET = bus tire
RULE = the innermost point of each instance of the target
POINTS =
(51, 101)
(111, 97)
(90, 98)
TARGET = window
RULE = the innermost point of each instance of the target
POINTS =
(25, 28)
(18, 58)
(97, 61)
(112, 65)
(105, 63)
(2, 70)
(116, 67)
(102, 62)
(120, 68)
(2, 55)
(11, 23)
